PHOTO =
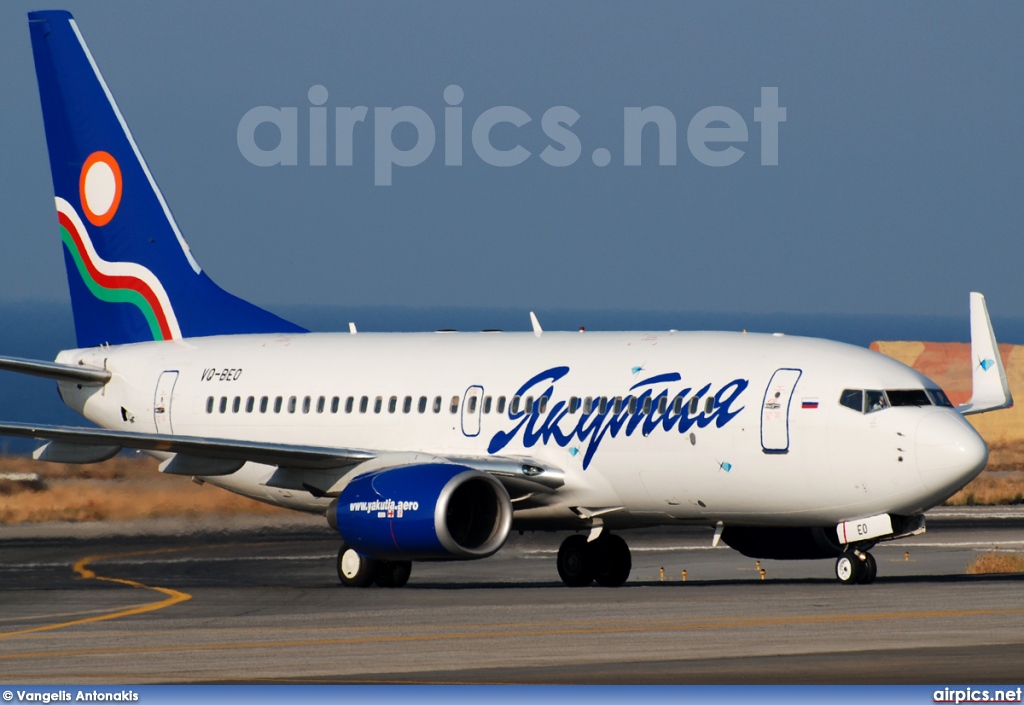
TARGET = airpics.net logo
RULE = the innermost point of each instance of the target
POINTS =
(716, 136)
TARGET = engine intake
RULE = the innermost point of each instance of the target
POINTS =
(437, 511)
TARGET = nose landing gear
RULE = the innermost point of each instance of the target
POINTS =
(856, 567)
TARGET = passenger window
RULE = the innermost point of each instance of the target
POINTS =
(617, 406)
(500, 408)
(422, 407)
(852, 399)
(876, 400)
(693, 405)
(249, 404)
(236, 404)
(223, 405)
(677, 406)
(407, 405)
(454, 408)
(437, 405)
(363, 402)
(349, 402)
(662, 405)
(631, 405)
(292, 404)
(939, 397)
(574, 404)
(602, 405)
(263, 404)
(588, 405)
(709, 406)
(209, 405)
(392, 405)
(306, 404)
(513, 407)
(277, 404)
(487, 405)
(335, 403)
(543, 404)
(378, 404)
(471, 405)
(528, 405)
(321, 403)
(648, 403)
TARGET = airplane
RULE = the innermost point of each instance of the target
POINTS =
(435, 446)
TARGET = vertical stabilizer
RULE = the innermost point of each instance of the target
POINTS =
(131, 273)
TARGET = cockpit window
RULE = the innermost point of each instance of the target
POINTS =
(939, 397)
(876, 400)
(908, 397)
(852, 399)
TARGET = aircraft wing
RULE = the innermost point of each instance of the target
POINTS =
(297, 464)
(990, 390)
(196, 455)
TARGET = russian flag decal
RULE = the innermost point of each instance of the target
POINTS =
(809, 404)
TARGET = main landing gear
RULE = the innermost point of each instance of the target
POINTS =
(605, 560)
(355, 570)
(856, 567)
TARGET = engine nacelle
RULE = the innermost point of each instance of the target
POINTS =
(783, 542)
(417, 512)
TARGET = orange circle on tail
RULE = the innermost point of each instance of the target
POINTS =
(99, 187)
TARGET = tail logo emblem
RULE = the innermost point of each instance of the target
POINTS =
(99, 187)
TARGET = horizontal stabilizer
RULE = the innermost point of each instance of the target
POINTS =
(990, 390)
(55, 370)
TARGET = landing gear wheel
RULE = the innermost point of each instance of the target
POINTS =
(849, 568)
(575, 562)
(355, 570)
(393, 574)
(870, 569)
(612, 560)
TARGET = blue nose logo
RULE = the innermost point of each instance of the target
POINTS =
(986, 364)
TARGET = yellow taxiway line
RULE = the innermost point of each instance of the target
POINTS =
(81, 567)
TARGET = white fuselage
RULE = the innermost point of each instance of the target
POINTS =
(766, 442)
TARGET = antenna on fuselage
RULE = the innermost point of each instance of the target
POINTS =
(537, 330)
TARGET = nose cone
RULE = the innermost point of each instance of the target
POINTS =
(950, 453)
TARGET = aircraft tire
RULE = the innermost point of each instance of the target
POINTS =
(870, 569)
(612, 560)
(849, 568)
(575, 562)
(393, 574)
(355, 570)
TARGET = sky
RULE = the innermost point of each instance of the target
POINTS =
(897, 188)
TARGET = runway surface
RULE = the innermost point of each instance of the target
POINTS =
(177, 602)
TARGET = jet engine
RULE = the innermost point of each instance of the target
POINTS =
(435, 511)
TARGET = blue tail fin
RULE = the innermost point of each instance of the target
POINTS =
(131, 274)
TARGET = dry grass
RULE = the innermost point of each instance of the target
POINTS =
(996, 562)
(1005, 456)
(119, 489)
(991, 488)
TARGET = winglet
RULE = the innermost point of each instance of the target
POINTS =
(536, 324)
(990, 390)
